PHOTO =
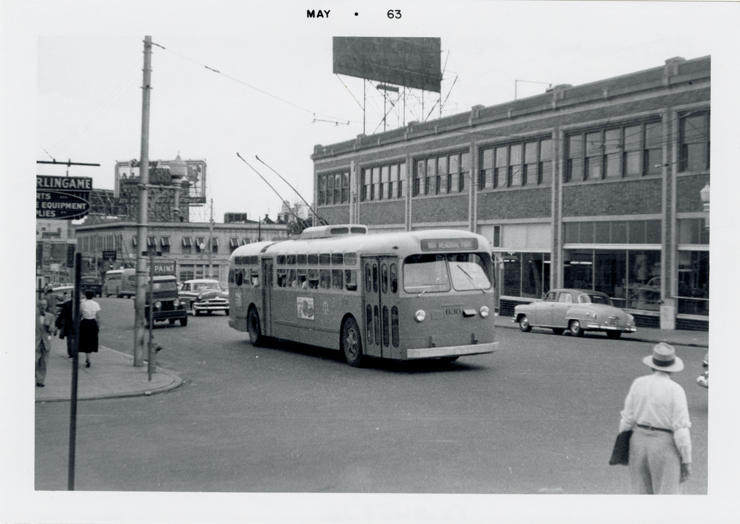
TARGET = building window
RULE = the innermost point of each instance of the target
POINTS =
(694, 142)
(516, 165)
(333, 189)
(214, 245)
(525, 274)
(200, 245)
(165, 241)
(440, 175)
(187, 245)
(693, 282)
(134, 240)
(233, 243)
(383, 182)
(629, 151)
(613, 232)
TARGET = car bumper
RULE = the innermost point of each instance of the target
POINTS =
(207, 306)
(166, 315)
(607, 327)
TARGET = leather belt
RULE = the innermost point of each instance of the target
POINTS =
(651, 428)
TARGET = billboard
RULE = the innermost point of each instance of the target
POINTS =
(409, 62)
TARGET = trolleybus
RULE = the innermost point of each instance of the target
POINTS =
(402, 296)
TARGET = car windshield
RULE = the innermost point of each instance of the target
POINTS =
(167, 285)
(594, 299)
(440, 273)
(205, 286)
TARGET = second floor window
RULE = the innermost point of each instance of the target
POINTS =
(694, 142)
(514, 165)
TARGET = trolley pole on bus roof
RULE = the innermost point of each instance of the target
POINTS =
(141, 273)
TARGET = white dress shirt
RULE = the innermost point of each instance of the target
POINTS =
(655, 400)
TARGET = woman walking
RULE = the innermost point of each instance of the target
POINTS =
(89, 326)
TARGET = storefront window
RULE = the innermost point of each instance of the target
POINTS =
(526, 274)
(644, 280)
(693, 282)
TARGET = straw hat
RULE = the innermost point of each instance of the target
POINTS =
(664, 359)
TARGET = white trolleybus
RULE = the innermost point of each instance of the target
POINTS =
(402, 296)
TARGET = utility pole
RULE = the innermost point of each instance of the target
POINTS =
(210, 244)
(141, 273)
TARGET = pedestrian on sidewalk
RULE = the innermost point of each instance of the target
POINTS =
(66, 326)
(44, 330)
(51, 301)
(657, 411)
(89, 326)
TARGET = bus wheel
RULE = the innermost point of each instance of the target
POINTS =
(352, 343)
(253, 326)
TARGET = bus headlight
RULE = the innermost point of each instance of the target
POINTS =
(484, 311)
(176, 303)
(157, 305)
(420, 315)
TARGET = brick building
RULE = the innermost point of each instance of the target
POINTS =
(595, 186)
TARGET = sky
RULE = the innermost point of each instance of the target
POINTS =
(71, 90)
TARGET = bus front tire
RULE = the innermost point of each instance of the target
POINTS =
(253, 326)
(352, 343)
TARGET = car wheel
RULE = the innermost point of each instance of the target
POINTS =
(614, 334)
(524, 324)
(575, 328)
(352, 343)
(558, 331)
(184, 321)
(253, 326)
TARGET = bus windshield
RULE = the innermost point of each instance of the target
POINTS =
(440, 273)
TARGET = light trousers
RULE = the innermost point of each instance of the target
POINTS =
(654, 464)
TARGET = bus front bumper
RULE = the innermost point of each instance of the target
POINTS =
(452, 351)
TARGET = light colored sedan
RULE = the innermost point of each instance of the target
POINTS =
(577, 311)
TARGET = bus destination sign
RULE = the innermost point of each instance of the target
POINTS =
(449, 244)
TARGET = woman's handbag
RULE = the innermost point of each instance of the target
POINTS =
(621, 452)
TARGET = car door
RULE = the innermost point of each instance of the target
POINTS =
(542, 310)
(559, 310)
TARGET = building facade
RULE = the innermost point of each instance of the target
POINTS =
(597, 186)
(201, 250)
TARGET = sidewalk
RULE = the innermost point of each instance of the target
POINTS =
(674, 337)
(111, 375)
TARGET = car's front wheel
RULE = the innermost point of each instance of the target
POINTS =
(524, 324)
(184, 321)
(575, 328)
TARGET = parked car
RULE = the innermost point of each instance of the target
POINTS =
(167, 303)
(204, 295)
(91, 283)
(577, 311)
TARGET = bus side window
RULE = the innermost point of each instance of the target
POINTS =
(292, 282)
(313, 278)
(282, 277)
(394, 278)
(231, 276)
(368, 278)
(302, 277)
(350, 279)
(238, 277)
(325, 279)
(337, 280)
(375, 278)
(384, 278)
(255, 278)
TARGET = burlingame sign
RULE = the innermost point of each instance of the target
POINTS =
(62, 197)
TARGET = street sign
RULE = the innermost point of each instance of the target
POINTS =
(62, 206)
(165, 267)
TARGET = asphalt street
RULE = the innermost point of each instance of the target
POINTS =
(538, 416)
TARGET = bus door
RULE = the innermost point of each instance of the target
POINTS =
(380, 275)
(266, 297)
